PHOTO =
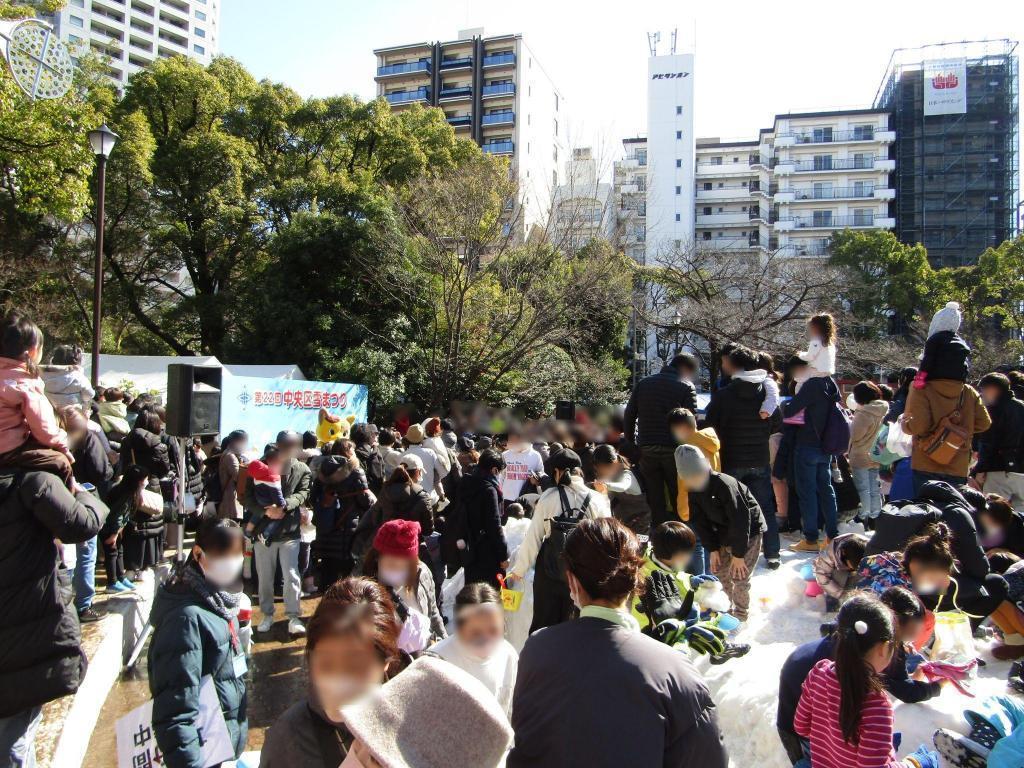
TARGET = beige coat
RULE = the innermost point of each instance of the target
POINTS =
(867, 419)
(926, 408)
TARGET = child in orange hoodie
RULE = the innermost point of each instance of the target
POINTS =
(30, 437)
(684, 428)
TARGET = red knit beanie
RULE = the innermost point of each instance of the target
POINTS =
(400, 538)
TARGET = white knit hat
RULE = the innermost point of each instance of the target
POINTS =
(946, 319)
(432, 715)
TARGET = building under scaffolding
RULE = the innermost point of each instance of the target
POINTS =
(954, 108)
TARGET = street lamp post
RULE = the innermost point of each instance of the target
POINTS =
(102, 141)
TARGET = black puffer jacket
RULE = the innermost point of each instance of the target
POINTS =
(734, 412)
(373, 466)
(405, 501)
(1001, 446)
(40, 643)
(147, 450)
(958, 514)
(815, 398)
(481, 499)
(647, 411)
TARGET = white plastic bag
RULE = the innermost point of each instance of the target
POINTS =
(899, 442)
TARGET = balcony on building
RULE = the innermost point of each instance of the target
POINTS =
(458, 62)
(504, 147)
(861, 192)
(806, 250)
(826, 165)
(828, 222)
(459, 92)
(499, 118)
(728, 192)
(827, 136)
(499, 59)
(498, 89)
(403, 68)
(405, 97)
(459, 121)
(732, 219)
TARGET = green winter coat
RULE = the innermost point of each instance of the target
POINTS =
(189, 642)
(650, 566)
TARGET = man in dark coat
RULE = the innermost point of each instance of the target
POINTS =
(1000, 467)
(40, 642)
(365, 438)
(735, 414)
(645, 422)
(480, 495)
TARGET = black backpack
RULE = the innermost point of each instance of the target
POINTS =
(562, 525)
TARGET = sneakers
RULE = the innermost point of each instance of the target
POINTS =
(773, 563)
(959, 751)
(805, 546)
(732, 651)
(296, 627)
(127, 584)
(266, 624)
(117, 588)
(88, 616)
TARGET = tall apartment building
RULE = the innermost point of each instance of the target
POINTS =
(132, 34)
(733, 200)
(494, 91)
(954, 109)
(670, 154)
(582, 205)
(629, 194)
(831, 170)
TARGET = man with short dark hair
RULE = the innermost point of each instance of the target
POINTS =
(1000, 467)
(735, 414)
(646, 423)
(486, 554)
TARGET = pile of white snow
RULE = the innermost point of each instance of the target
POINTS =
(781, 618)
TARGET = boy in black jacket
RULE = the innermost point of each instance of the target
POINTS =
(728, 521)
(909, 614)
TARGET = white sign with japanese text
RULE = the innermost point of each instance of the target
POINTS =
(136, 742)
(945, 87)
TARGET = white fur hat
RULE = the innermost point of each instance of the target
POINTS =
(946, 319)
(432, 715)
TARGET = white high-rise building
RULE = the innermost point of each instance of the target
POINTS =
(582, 205)
(494, 91)
(132, 34)
(670, 154)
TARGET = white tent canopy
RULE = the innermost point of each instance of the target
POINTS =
(148, 373)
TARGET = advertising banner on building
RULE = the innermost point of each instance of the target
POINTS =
(945, 87)
(263, 407)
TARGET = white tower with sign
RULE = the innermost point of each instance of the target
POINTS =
(670, 154)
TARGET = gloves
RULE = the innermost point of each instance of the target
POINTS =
(661, 600)
(697, 580)
(922, 758)
(705, 638)
(671, 632)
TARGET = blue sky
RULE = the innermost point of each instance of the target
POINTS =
(753, 59)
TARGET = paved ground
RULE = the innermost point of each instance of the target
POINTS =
(276, 680)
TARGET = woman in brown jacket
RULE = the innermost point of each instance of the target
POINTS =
(926, 408)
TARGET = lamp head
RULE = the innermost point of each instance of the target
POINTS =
(102, 141)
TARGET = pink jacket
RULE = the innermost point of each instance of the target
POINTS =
(25, 411)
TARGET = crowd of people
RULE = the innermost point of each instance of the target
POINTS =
(628, 548)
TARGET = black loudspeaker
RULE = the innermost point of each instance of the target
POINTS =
(565, 410)
(193, 400)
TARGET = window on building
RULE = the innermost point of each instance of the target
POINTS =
(200, 15)
(721, 185)
(706, 235)
(556, 127)
(679, 163)
(199, 49)
(200, 32)
(721, 209)
(679, 110)
(678, 217)
(823, 134)
(641, 157)
(76, 21)
(821, 218)
(822, 162)
(716, 161)
(861, 160)
(679, 190)
(707, 210)
(679, 134)
(679, 244)
(735, 159)
(556, 102)
(78, 3)
(708, 186)
(744, 209)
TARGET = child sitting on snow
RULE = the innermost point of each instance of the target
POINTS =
(946, 354)
(835, 568)
(909, 615)
(671, 549)
(265, 477)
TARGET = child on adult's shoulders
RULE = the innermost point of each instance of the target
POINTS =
(946, 354)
